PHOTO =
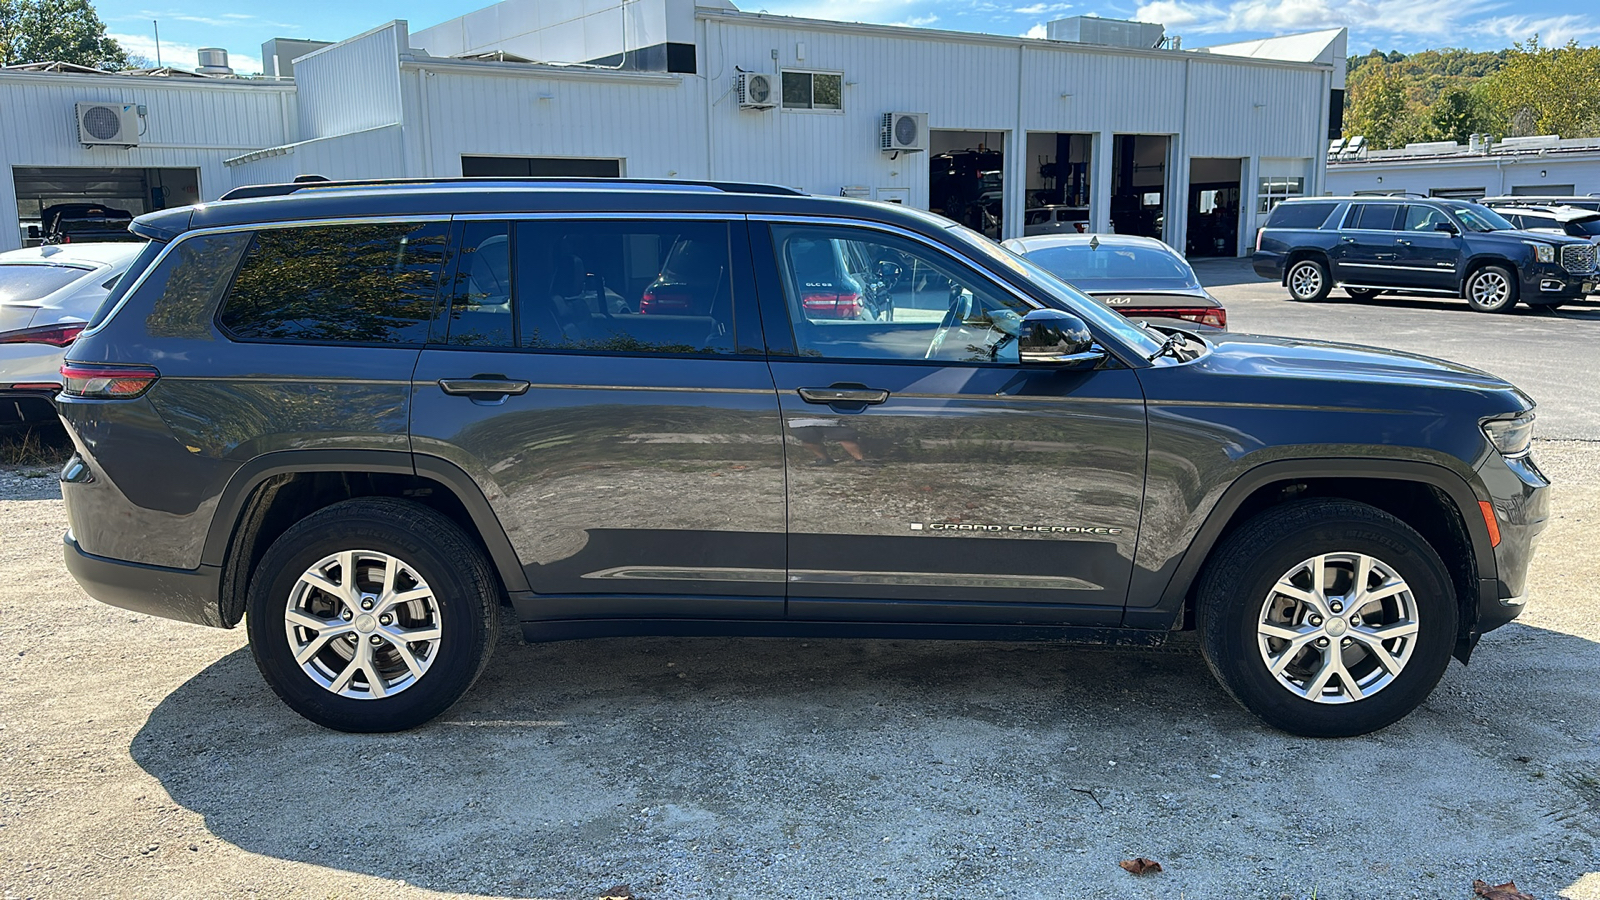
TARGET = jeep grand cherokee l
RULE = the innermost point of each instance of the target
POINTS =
(365, 417)
(1378, 245)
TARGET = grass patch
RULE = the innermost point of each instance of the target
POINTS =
(44, 444)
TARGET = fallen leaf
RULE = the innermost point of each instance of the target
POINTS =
(1140, 866)
(617, 892)
(1507, 891)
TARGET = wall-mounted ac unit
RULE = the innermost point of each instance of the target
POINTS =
(904, 132)
(756, 90)
(115, 124)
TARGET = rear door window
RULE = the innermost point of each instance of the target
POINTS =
(1374, 217)
(359, 283)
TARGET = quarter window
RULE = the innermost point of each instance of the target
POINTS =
(619, 286)
(856, 294)
(345, 284)
(813, 90)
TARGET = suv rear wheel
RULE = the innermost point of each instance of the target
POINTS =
(1327, 618)
(372, 615)
(1308, 280)
(1491, 289)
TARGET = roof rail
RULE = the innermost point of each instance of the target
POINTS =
(281, 190)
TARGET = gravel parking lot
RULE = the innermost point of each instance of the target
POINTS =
(144, 758)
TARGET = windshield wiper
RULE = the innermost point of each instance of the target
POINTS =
(1173, 346)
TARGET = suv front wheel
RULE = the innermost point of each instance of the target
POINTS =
(1327, 618)
(1308, 280)
(372, 615)
(1491, 289)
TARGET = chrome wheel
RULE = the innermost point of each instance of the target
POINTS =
(1337, 628)
(362, 624)
(1306, 280)
(1490, 289)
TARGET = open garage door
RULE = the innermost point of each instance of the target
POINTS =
(135, 191)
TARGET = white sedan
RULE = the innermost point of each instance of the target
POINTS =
(47, 296)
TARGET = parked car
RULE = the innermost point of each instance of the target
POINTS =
(1587, 201)
(1451, 248)
(46, 295)
(70, 223)
(273, 421)
(1568, 220)
(1140, 277)
(1054, 219)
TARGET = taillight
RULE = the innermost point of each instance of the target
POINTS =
(106, 382)
(1259, 233)
(659, 301)
(1215, 316)
(831, 305)
(57, 335)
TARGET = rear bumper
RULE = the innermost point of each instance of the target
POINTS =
(26, 406)
(1268, 265)
(187, 595)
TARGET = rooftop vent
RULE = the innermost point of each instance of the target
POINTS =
(213, 61)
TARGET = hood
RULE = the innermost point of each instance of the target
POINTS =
(1544, 237)
(1322, 373)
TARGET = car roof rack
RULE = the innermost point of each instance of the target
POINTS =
(314, 183)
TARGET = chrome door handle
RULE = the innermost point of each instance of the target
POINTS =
(483, 384)
(842, 395)
(1347, 240)
(1402, 241)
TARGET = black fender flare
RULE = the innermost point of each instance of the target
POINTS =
(1168, 612)
(242, 485)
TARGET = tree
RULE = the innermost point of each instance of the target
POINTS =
(56, 31)
(1458, 114)
(1548, 90)
(1377, 106)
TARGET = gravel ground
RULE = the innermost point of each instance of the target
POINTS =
(144, 758)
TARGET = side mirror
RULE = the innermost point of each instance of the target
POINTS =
(1446, 227)
(33, 232)
(1050, 337)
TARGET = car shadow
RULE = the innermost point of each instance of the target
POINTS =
(1588, 310)
(662, 761)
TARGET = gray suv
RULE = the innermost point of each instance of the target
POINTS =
(368, 419)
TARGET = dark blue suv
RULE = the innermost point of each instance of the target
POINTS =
(369, 419)
(1398, 245)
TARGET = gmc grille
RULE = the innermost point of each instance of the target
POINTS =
(1578, 258)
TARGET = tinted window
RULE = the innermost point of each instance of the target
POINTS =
(135, 269)
(360, 283)
(1110, 266)
(189, 281)
(1423, 218)
(19, 284)
(1374, 216)
(857, 294)
(1300, 215)
(1585, 227)
(639, 287)
(480, 291)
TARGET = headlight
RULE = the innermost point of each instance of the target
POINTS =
(1542, 252)
(1511, 436)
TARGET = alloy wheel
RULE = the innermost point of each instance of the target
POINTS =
(1490, 290)
(1305, 280)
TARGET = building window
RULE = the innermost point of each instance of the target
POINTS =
(1274, 189)
(813, 90)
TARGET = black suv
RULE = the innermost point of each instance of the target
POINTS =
(366, 417)
(1375, 245)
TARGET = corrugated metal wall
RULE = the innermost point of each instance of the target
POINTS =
(1492, 175)
(352, 85)
(189, 124)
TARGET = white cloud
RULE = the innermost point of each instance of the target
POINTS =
(1042, 9)
(1553, 31)
(1426, 19)
(1038, 32)
(181, 56)
(917, 21)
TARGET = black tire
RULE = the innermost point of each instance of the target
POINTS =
(1362, 293)
(1238, 587)
(463, 607)
(1308, 280)
(1491, 289)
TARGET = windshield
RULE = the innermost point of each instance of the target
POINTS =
(26, 283)
(1590, 227)
(1063, 295)
(1116, 268)
(1481, 218)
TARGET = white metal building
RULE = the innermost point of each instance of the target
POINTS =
(1529, 166)
(1189, 145)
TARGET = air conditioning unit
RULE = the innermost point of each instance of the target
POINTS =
(115, 124)
(904, 132)
(756, 90)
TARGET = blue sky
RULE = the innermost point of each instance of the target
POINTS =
(1406, 25)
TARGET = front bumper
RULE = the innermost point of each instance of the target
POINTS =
(187, 595)
(1521, 502)
(1550, 283)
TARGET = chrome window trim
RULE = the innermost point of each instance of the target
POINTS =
(1117, 350)
(599, 216)
(252, 226)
